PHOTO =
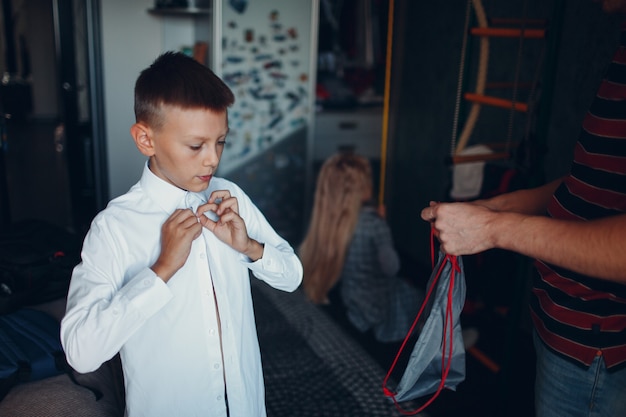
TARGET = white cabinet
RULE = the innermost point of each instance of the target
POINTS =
(359, 129)
(188, 30)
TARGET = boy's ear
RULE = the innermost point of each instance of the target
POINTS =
(142, 135)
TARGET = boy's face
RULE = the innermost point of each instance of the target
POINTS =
(187, 149)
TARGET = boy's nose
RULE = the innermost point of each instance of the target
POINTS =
(210, 158)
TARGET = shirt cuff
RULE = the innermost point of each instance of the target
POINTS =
(269, 262)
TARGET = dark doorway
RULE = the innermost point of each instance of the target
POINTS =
(52, 159)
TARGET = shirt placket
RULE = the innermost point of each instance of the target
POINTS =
(212, 311)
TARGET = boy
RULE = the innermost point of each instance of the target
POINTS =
(160, 281)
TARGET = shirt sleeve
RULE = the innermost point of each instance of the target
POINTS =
(279, 266)
(103, 308)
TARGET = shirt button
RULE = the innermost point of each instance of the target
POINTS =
(146, 282)
(212, 332)
(216, 366)
(202, 255)
(116, 312)
(219, 398)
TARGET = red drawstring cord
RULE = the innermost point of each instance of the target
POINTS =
(448, 328)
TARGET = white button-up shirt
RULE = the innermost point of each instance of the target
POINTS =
(168, 334)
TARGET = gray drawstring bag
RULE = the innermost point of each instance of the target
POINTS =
(438, 357)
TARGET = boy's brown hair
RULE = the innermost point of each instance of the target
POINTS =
(175, 79)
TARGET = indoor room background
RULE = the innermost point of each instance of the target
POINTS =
(67, 148)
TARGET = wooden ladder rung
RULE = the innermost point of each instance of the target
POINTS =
(509, 32)
(496, 102)
(462, 159)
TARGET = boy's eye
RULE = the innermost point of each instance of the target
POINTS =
(221, 142)
(195, 147)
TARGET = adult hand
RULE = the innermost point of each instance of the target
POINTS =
(230, 227)
(177, 233)
(462, 228)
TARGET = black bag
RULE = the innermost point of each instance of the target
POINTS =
(30, 350)
(36, 263)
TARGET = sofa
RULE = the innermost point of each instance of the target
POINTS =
(59, 396)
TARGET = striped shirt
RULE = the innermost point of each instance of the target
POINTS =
(578, 316)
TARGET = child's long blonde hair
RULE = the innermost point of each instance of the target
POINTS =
(344, 181)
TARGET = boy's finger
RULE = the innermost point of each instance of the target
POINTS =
(219, 195)
(228, 203)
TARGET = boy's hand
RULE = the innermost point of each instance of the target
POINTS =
(177, 233)
(230, 227)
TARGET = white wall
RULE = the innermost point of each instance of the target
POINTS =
(132, 38)
(130, 42)
(267, 62)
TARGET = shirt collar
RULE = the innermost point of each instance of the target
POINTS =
(164, 194)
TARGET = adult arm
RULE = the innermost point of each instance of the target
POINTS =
(595, 248)
(528, 201)
(461, 226)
